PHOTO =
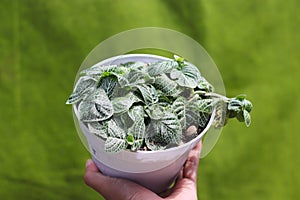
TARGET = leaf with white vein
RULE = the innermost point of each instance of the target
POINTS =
(161, 67)
(122, 104)
(115, 145)
(187, 76)
(83, 86)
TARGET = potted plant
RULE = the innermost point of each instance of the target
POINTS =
(142, 114)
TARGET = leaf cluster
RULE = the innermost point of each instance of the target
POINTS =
(138, 105)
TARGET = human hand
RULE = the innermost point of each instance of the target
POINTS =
(121, 189)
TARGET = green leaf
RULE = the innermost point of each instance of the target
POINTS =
(155, 111)
(240, 116)
(136, 77)
(137, 144)
(108, 84)
(87, 112)
(83, 86)
(115, 145)
(149, 93)
(122, 104)
(178, 58)
(248, 105)
(192, 114)
(122, 80)
(247, 118)
(167, 86)
(235, 105)
(240, 97)
(137, 130)
(97, 70)
(204, 85)
(115, 131)
(98, 128)
(205, 109)
(205, 105)
(187, 76)
(95, 107)
(161, 67)
(166, 130)
(198, 111)
(136, 112)
(127, 64)
(153, 144)
(130, 139)
(179, 108)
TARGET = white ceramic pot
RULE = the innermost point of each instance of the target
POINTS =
(155, 170)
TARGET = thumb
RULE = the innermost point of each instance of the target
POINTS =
(114, 188)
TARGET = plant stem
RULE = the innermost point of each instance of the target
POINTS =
(211, 94)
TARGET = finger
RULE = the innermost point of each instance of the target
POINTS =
(114, 188)
(190, 169)
(90, 166)
(187, 186)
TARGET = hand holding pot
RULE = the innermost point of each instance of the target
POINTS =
(115, 189)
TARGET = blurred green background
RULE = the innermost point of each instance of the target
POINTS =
(255, 44)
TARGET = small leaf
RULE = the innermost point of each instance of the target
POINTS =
(122, 80)
(96, 107)
(149, 93)
(247, 118)
(178, 59)
(167, 130)
(97, 70)
(113, 144)
(205, 105)
(153, 145)
(130, 139)
(248, 105)
(161, 67)
(192, 113)
(122, 104)
(115, 131)
(179, 108)
(98, 128)
(83, 86)
(138, 65)
(137, 130)
(240, 97)
(108, 84)
(155, 111)
(136, 76)
(137, 144)
(187, 76)
(136, 112)
(127, 64)
(167, 86)
(205, 109)
(87, 112)
(240, 116)
(234, 105)
(204, 85)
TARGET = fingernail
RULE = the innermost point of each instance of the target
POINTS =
(88, 162)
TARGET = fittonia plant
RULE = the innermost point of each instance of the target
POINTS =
(151, 106)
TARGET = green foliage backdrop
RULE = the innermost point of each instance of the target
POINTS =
(254, 43)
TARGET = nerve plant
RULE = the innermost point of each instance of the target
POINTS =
(151, 106)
